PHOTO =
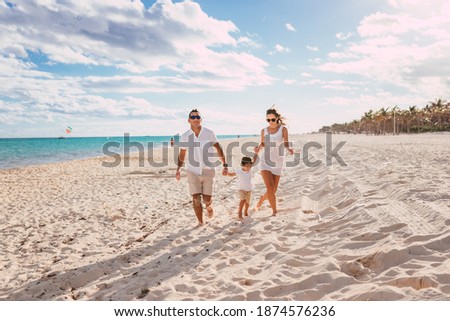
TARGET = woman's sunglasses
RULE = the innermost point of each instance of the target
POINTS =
(271, 120)
(196, 117)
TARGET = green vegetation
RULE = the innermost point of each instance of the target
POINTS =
(434, 117)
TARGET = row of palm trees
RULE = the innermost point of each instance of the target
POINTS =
(435, 116)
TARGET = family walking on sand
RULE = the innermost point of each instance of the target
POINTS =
(198, 144)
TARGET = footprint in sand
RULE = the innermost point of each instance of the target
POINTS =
(416, 283)
(392, 228)
(254, 296)
(185, 289)
(293, 263)
(247, 282)
(234, 261)
(221, 266)
(354, 269)
(370, 237)
(254, 271)
(260, 247)
(271, 255)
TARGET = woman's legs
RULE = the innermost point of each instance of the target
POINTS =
(271, 181)
(261, 201)
(276, 181)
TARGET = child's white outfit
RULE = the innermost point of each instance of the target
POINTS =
(245, 184)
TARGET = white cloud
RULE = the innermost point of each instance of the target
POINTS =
(279, 49)
(122, 34)
(341, 85)
(417, 7)
(382, 24)
(194, 51)
(402, 3)
(312, 48)
(363, 102)
(342, 55)
(306, 74)
(289, 81)
(290, 27)
(408, 49)
(248, 42)
(344, 36)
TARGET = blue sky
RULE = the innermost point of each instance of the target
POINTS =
(109, 67)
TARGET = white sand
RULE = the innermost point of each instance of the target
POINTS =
(377, 229)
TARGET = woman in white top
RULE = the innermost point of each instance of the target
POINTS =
(274, 140)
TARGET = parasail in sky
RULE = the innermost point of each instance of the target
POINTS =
(68, 129)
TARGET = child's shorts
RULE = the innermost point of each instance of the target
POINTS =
(245, 195)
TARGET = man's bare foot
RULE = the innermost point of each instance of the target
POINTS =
(245, 214)
(275, 214)
(210, 211)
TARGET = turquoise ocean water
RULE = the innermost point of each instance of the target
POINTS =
(21, 152)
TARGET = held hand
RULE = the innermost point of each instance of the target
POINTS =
(178, 175)
(291, 151)
(257, 149)
(225, 171)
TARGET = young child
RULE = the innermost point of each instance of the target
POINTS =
(244, 175)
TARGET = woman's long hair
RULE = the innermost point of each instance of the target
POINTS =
(280, 119)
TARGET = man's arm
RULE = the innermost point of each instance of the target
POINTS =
(181, 157)
(221, 155)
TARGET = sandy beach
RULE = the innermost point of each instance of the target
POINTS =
(376, 229)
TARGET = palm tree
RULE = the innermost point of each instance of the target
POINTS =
(354, 125)
(367, 121)
(434, 116)
(380, 120)
(446, 116)
(411, 117)
(397, 119)
(437, 108)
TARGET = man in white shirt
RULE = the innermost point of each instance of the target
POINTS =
(198, 142)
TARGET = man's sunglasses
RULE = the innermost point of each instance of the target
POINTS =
(196, 117)
(271, 120)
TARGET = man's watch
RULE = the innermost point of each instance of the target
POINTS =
(225, 165)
